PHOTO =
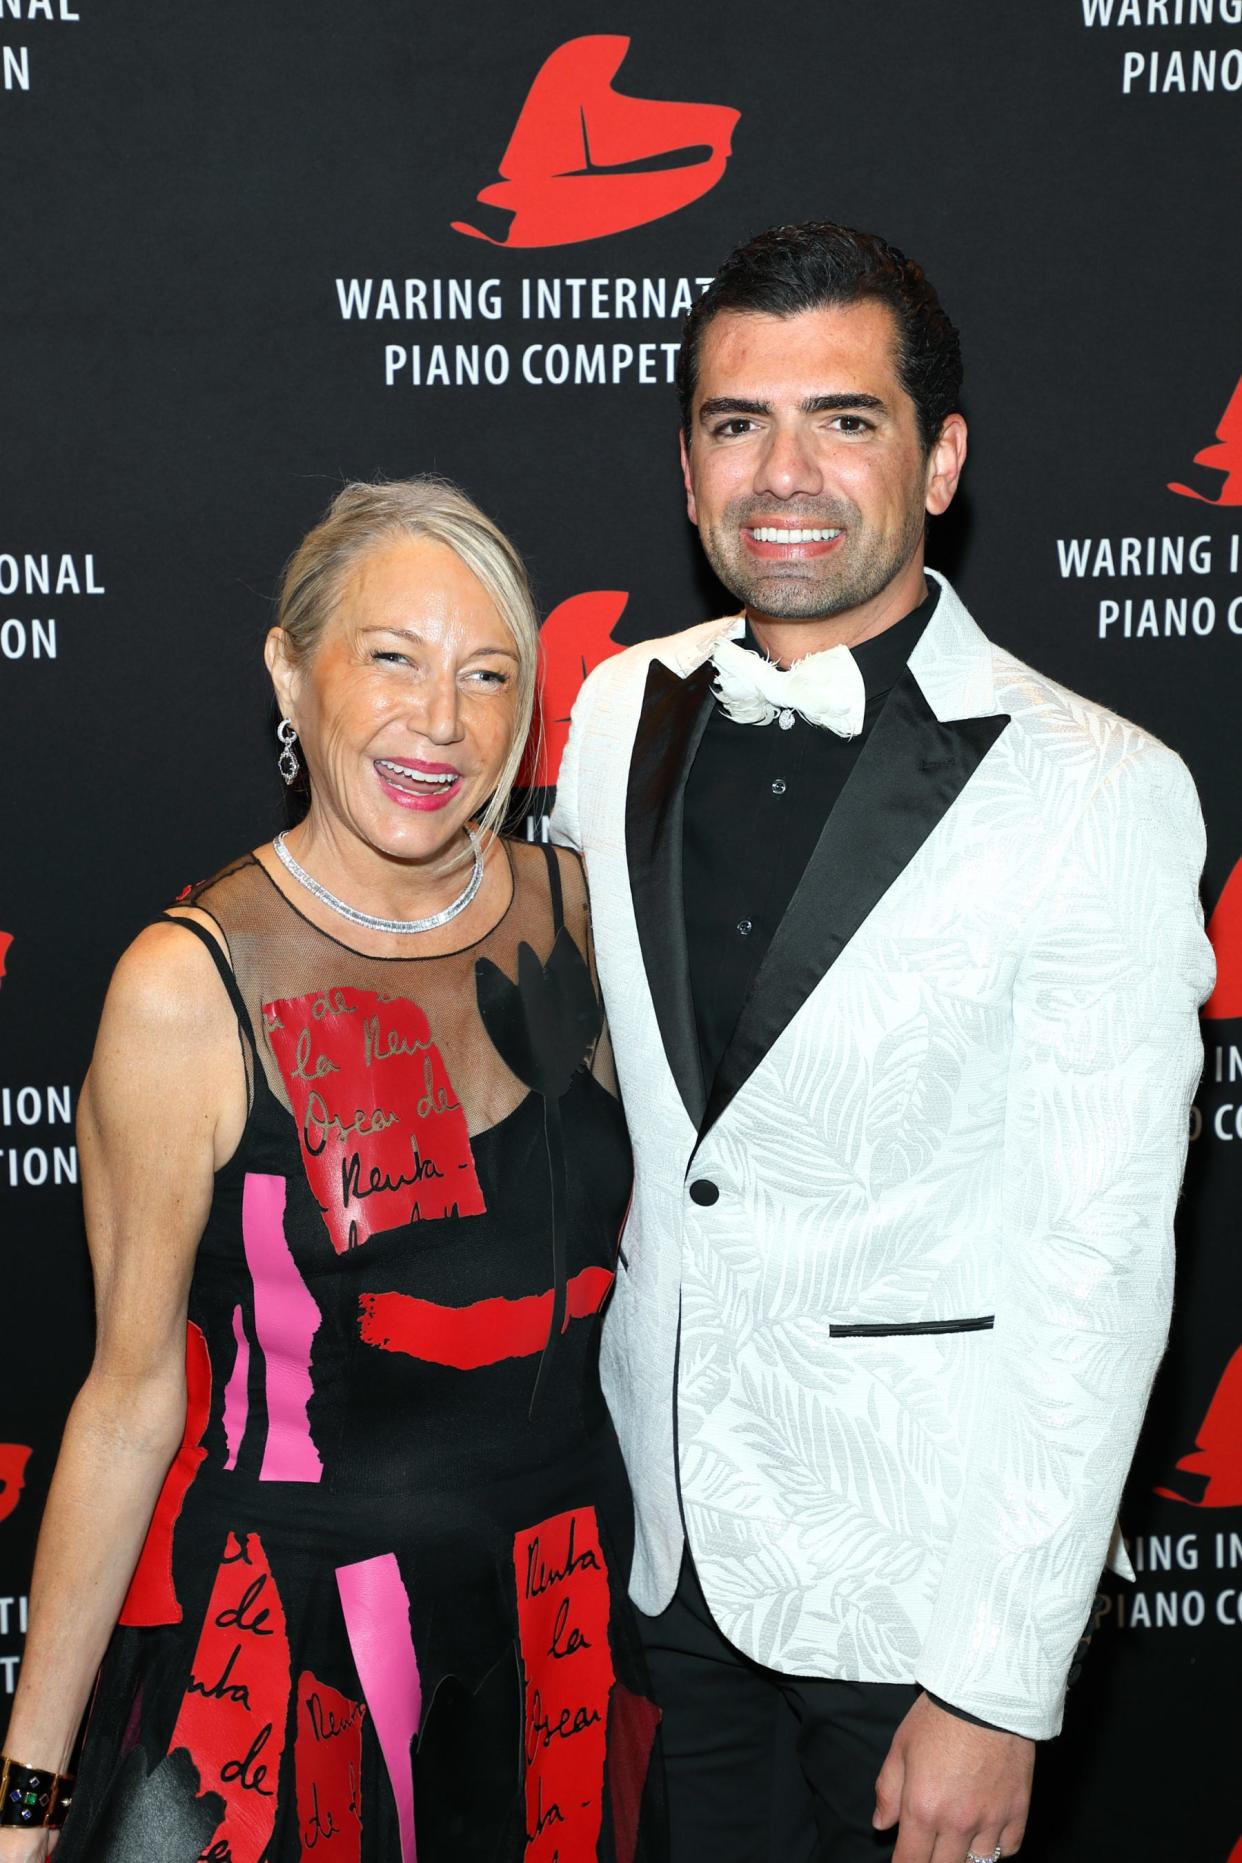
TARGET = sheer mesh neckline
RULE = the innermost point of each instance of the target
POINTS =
(402, 957)
(358, 1038)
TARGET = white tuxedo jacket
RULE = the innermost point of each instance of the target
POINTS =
(894, 1285)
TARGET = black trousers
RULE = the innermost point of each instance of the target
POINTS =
(763, 1767)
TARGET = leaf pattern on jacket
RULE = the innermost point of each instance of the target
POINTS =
(980, 1110)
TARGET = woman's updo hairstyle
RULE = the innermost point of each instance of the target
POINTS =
(364, 517)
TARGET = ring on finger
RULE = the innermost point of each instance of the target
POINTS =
(972, 1856)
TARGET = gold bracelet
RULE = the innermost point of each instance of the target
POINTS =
(31, 1799)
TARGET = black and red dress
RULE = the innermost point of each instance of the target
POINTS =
(380, 1612)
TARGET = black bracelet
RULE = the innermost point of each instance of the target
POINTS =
(31, 1799)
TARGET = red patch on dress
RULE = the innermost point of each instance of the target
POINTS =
(383, 1135)
(152, 1598)
(327, 1760)
(563, 1609)
(483, 1333)
(232, 1717)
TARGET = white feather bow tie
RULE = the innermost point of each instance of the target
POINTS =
(825, 688)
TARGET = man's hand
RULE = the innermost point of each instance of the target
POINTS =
(953, 1787)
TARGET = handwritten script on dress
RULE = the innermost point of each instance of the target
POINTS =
(327, 1757)
(567, 1671)
(383, 1134)
(233, 1712)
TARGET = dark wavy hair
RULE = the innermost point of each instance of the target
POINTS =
(790, 269)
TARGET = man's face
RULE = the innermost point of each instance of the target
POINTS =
(805, 471)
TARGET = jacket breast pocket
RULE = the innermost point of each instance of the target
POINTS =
(910, 1328)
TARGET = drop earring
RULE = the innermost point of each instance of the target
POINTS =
(287, 762)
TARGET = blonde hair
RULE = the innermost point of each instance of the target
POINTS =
(362, 517)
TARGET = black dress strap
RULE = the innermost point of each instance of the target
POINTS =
(554, 886)
(225, 970)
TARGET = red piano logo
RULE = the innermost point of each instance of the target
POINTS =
(583, 161)
(1216, 1459)
(1225, 932)
(1224, 455)
(13, 1460)
(576, 636)
(6, 939)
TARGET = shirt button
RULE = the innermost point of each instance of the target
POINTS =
(704, 1191)
(778, 786)
(744, 928)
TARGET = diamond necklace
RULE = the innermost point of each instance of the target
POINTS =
(399, 927)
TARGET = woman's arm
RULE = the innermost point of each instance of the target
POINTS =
(163, 1106)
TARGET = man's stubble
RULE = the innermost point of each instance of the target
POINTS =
(870, 562)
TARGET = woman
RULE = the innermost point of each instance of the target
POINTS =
(354, 1172)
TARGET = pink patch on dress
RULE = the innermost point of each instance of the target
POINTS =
(286, 1320)
(377, 1619)
(383, 1134)
(237, 1391)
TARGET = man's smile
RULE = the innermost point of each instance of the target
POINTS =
(782, 543)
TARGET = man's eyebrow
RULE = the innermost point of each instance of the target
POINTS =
(731, 404)
(836, 404)
(813, 404)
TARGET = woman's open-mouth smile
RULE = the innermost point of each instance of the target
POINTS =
(414, 784)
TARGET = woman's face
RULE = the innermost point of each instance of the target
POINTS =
(406, 709)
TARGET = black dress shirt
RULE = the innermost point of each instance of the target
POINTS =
(757, 798)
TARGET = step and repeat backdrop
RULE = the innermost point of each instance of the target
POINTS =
(251, 251)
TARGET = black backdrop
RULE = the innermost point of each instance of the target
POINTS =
(181, 189)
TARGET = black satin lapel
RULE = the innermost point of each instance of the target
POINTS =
(909, 773)
(673, 717)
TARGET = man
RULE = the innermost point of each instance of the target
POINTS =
(901, 949)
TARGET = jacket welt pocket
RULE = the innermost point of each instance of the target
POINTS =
(982, 1324)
